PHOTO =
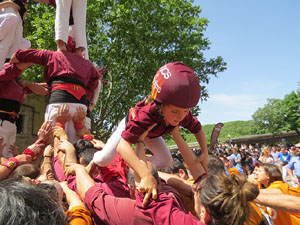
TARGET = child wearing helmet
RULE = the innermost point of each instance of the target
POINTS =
(175, 89)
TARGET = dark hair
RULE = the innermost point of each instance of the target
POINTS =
(273, 172)
(81, 145)
(226, 199)
(215, 165)
(22, 202)
(130, 176)
(26, 170)
(175, 167)
(50, 189)
(87, 156)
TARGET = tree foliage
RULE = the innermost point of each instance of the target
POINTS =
(270, 118)
(133, 38)
(291, 104)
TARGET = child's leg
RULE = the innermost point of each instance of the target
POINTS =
(79, 14)
(62, 23)
(109, 152)
(17, 42)
(7, 21)
(7, 41)
(161, 154)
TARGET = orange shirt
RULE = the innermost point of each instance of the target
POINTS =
(78, 215)
(282, 217)
(255, 215)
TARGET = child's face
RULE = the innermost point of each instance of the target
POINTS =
(173, 115)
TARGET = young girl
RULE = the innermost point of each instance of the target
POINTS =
(175, 89)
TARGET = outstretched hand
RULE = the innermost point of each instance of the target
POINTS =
(70, 168)
(63, 114)
(148, 185)
(60, 133)
(80, 115)
(44, 131)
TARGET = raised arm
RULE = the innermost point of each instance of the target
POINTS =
(200, 136)
(283, 202)
(40, 57)
(83, 180)
(196, 169)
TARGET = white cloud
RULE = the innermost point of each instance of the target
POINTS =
(240, 101)
(229, 107)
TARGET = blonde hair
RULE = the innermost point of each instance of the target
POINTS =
(267, 152)
(226, 199)
(158, 105)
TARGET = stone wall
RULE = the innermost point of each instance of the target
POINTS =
(30, 120)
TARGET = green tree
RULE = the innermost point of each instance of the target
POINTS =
(270, 118)
(133, 38)
(291, 103)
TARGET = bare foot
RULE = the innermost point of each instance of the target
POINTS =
(80, 52)
(61, 45)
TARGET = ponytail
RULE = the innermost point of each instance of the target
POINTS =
(226, 199)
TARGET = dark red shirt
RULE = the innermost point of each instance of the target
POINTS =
(111, 210)
(9, 87)
(147, 115)
(52, 3)
(106, 209)
(62, 64)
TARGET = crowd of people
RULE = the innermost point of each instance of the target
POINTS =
(67, 176)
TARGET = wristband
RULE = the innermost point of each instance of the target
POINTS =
(28, 151)
(59, 124)
(78, 125)
(200, 178)
(47, 156)
(87, 137)
(11, 163)
(140, 141)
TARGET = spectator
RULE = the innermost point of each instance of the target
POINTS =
(266, 156)
(284, 158)
(271, 178)
(293, 167)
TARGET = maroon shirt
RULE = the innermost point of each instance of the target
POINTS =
(52, 3)
(111, 210)
(166, 211)
(116, 187)
(147, 115)
(9, 87)
(106, 209)
(62, 64)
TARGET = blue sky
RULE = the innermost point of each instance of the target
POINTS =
(260, 41)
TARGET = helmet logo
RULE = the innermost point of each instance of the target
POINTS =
(159, 78)
(165, 72)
